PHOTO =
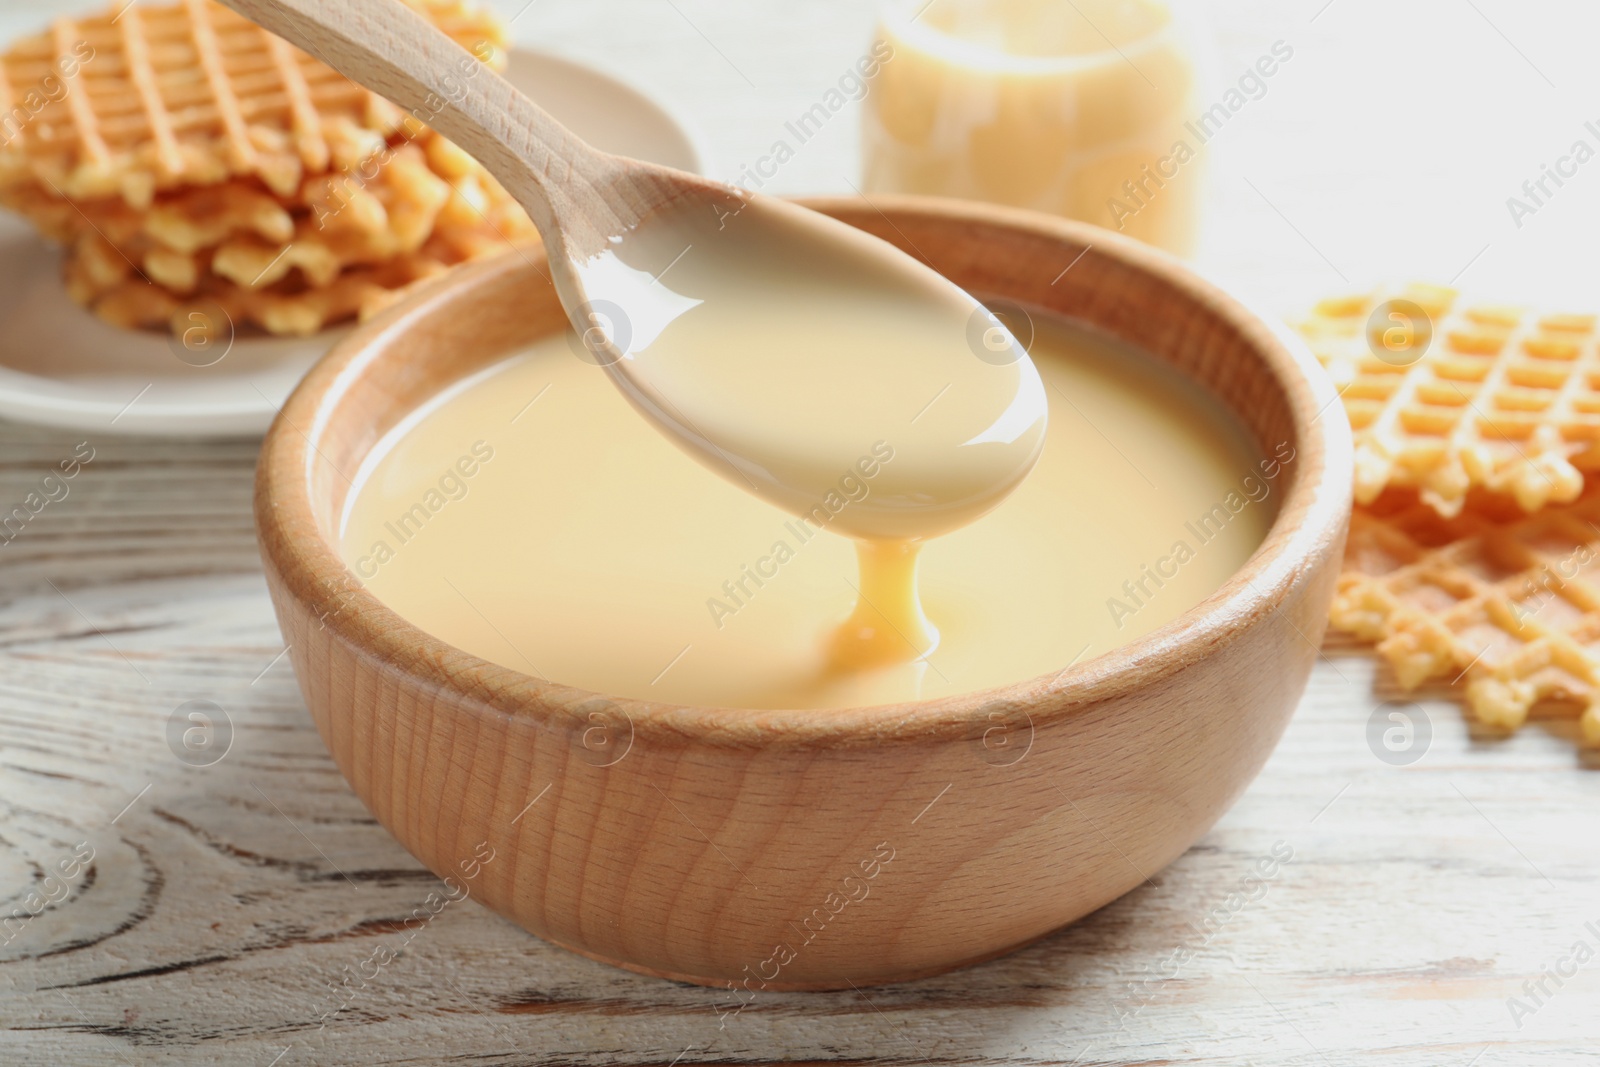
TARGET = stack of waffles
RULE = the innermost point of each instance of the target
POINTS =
(1474, 552)
(190, 161)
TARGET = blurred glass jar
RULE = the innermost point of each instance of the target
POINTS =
(1081, 108)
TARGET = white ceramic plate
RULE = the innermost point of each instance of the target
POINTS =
(61, 366)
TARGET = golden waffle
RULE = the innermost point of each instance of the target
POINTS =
(1509, 602)
(280, 309)
(192, 94)
(190, 219)
(378, 201)
(421, 220)
(417, 195)
(183, 221)
(255, 241)
(1496, 397)
(253, 238)
(101, 278)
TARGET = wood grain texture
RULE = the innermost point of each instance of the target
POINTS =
(217, 924)
(783, 849)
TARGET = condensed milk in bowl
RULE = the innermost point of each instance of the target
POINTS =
(707, 732)
(1074, 107)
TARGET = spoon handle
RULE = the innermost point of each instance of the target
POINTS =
(567, 186)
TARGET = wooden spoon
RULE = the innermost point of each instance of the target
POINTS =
(786, 350)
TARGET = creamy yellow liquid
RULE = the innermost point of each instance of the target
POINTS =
(1046, 104)
(529, 516)
(778, 346)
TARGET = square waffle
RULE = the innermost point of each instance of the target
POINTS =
(1508, 601)
(1445, 397)
(197, 160)
(187, 94)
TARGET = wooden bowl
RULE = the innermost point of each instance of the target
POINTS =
(810, 849)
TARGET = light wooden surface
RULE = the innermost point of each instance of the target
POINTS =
(227, 901)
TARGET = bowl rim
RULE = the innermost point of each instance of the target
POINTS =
(1312, 516)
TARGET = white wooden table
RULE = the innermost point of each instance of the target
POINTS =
(228, 908)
